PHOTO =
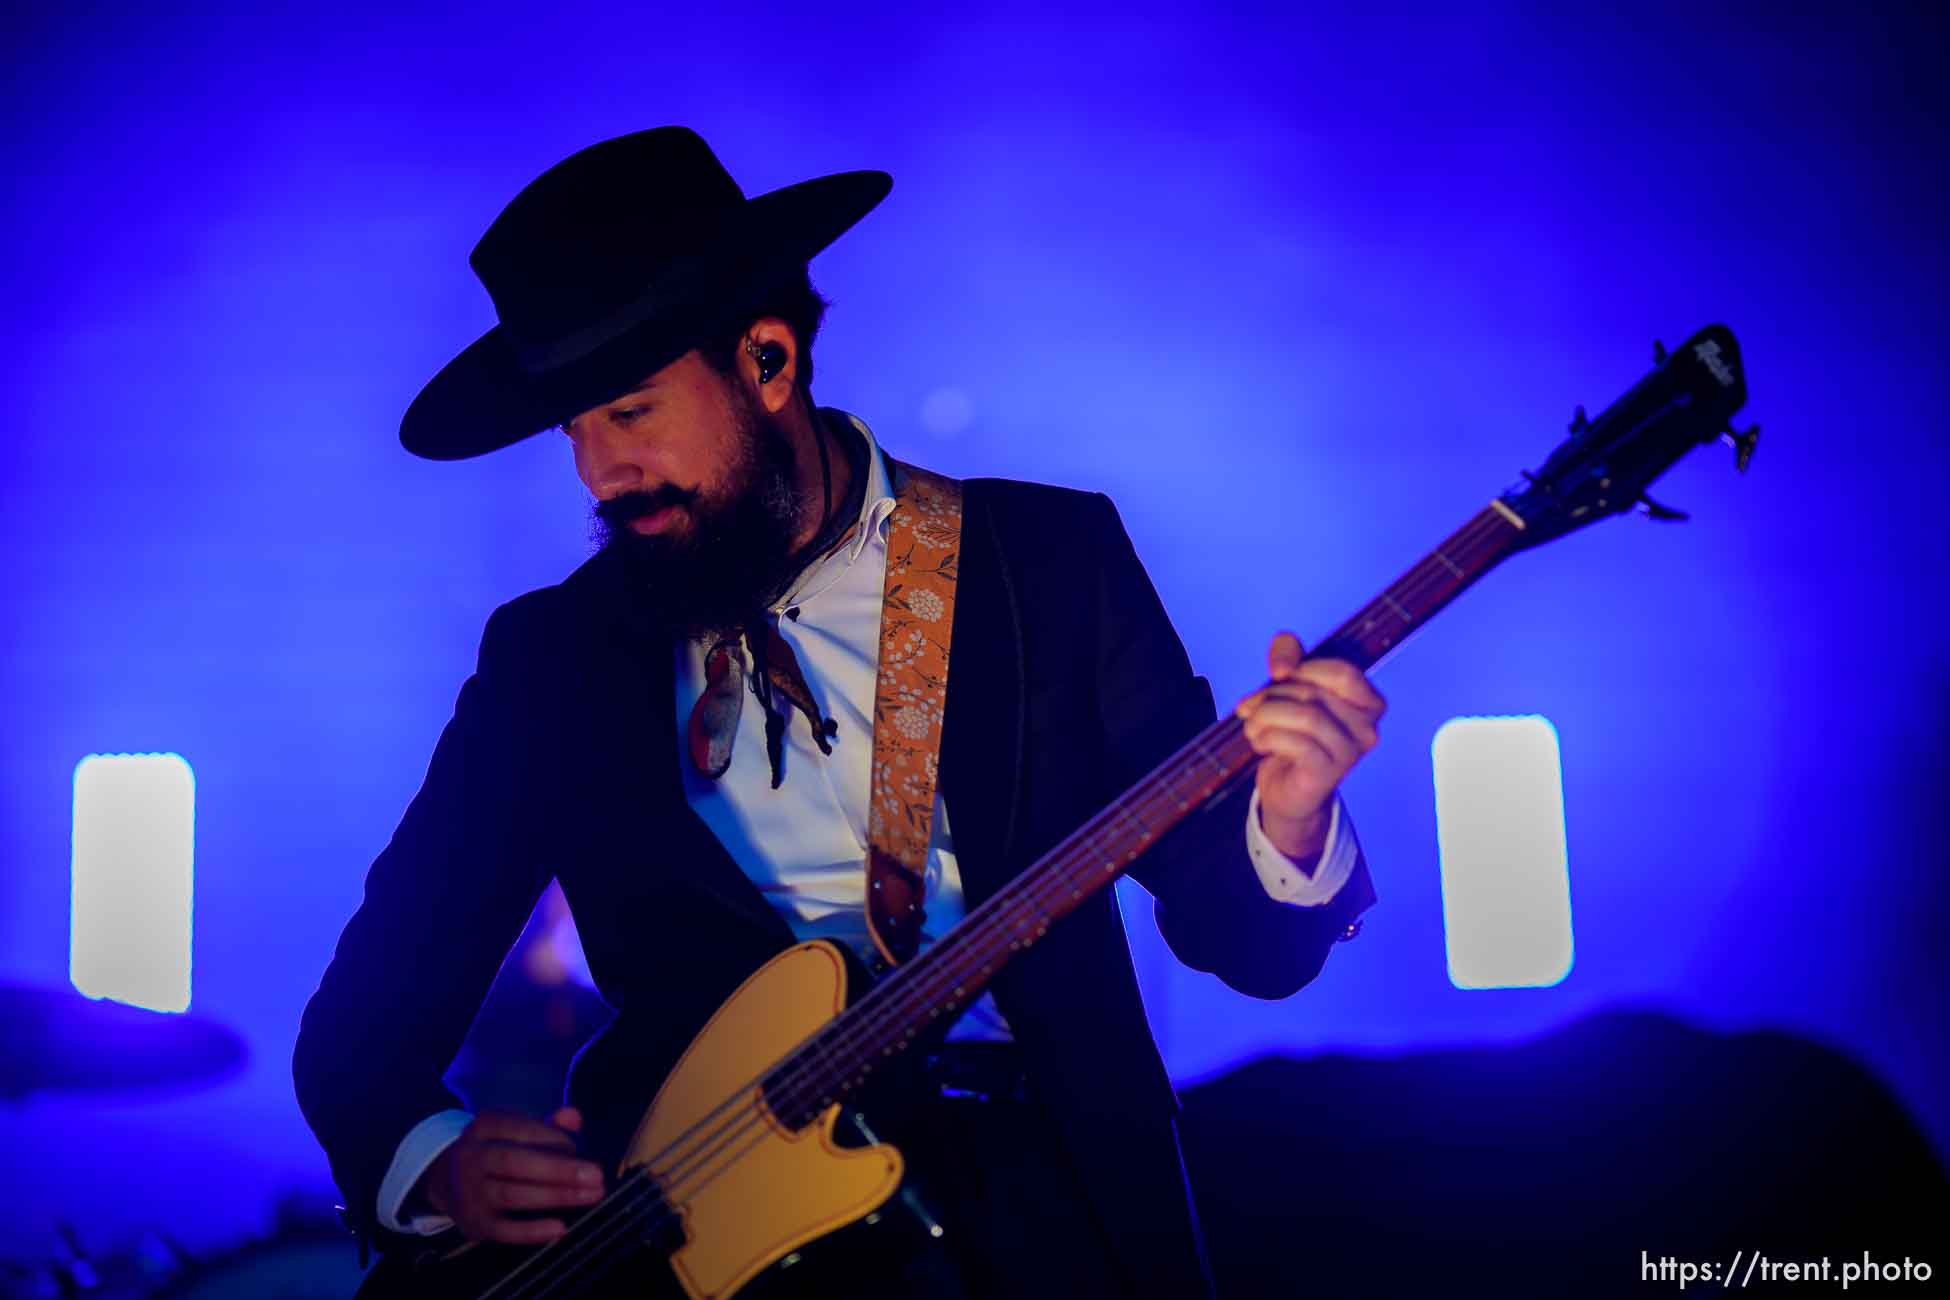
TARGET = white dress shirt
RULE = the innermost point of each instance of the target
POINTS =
(805, 844)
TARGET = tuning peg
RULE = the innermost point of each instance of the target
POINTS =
(1652, 509)
(1578, 423)
(1742, 444)
(1658, 353)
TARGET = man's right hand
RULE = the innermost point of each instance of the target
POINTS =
(504, 1163)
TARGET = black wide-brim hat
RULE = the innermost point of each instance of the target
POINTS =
(607, 267)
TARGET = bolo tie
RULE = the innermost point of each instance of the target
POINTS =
(714, 720)
(895, 890)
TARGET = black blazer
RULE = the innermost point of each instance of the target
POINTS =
(1068, 684)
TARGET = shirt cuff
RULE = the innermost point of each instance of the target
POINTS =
(422, 1144)
(1281, 877)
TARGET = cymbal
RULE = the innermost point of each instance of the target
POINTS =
(58, 1040)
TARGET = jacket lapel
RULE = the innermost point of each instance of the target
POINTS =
(633, 675)
(982, 724)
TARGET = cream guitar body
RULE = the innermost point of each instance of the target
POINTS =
(752, 1196)
(717, 1193)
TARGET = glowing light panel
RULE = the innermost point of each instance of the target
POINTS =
(129, 919)
(1506, 885)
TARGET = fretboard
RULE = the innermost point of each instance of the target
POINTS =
(940, 982)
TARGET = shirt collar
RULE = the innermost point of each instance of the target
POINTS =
(877, 503)
(871, 523)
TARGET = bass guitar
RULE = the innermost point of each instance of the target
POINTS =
(754, 1149)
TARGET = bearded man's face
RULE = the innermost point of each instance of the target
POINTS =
(697, 490)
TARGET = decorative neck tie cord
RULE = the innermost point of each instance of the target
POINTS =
(774, 664)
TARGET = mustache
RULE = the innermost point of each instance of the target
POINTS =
(619, 510)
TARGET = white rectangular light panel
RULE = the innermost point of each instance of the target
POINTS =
(129, 921)
(1506, 886)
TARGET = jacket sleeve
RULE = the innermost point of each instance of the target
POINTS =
(444, 902)
(1211, 907)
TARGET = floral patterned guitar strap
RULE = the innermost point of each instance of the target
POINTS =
(917, 611)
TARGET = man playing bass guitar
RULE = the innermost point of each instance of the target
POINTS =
(803, 690)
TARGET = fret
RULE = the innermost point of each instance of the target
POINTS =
(1213, 759)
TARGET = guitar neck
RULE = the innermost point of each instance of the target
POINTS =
(940, 982)
(1418, 595)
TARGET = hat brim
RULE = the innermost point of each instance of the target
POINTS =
(484, 399)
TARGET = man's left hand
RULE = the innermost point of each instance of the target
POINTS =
(1311, 725)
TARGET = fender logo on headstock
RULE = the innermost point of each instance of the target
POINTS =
(1709, 354)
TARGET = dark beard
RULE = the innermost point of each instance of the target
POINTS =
(734, 558)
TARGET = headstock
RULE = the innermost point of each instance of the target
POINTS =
(1606, 464)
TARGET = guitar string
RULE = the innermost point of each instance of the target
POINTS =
(870, 1019)
(586, 1253)
(625, 1226)
(645, 1214)
(687, 1180)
